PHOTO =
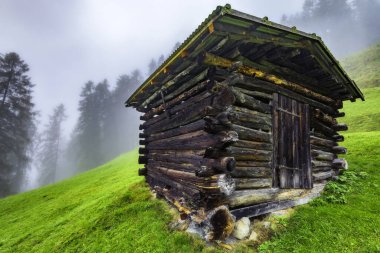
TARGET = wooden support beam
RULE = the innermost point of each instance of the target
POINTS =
(143, 172)
(317, 113)
(321, 141)
(252, 172)
(340, 163)
(182, 97)
(250, 102)
(323, 175)
(339, 150)
(251, 197)
(252, 183)
(340, 127)
(168, 84)
(248, 134)
(322, 156)
(240, 154)
(259, 209)
(180, 88)
(195, 140)
(191, 127)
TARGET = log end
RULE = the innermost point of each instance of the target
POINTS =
(226, 184)
(220, 224)
(142, 172)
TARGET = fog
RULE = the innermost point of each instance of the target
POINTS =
(68, 43)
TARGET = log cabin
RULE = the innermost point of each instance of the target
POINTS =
(241, 119)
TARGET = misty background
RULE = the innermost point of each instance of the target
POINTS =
(86, 57)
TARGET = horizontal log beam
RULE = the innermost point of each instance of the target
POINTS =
(339, 150)
(191, 127)
(250, 102)
(322, 155)
(168, 84)
(253, 164)
(340, 127)
(323, 175)
(182, 97)
(260, 209)
(218, 61)
(195, 140)
(252, 183)
(253, 145)
(324, 117)
(252, 172)
(251, 197)
(340, 163)
(248, 134)
(245, 154)
(322, 142)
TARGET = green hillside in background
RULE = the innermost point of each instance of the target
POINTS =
(110, 208)
(363, 116)
(363, 67)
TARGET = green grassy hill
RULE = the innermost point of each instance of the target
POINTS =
(110, 209)
(107, 209)
(364, 67)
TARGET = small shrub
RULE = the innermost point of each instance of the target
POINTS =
(336, 191)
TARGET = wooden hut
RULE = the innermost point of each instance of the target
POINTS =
(243, 115)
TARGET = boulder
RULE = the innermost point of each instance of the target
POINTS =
(241, 230)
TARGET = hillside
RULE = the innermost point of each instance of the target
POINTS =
(110, 209)
(107, 209)
(363, 67)
(363, 116)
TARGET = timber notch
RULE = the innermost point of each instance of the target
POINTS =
(242, 119)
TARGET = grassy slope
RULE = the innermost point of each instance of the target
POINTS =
(364, 67)
(364, 116)
(355, 226)
(108, 209)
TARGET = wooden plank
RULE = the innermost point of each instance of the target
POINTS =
(275, 133)
(308, 183)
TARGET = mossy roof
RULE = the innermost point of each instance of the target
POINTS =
(265, 31)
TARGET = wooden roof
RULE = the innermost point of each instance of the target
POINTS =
(259, 43)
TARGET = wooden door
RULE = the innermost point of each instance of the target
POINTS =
(291, 140)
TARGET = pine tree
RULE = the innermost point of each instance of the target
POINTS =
(122, 123)
(89, 135)
(16, 121)
(50, 148)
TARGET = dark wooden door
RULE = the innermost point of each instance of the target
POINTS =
(291, 140)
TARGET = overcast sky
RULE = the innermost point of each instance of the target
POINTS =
(67, 42)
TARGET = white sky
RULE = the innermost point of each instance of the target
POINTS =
(68, 42)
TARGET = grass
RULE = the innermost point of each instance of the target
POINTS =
(108, 209)
(363, 116)
(353, 227)
(364, 67)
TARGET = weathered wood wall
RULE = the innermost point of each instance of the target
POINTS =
(207, 137)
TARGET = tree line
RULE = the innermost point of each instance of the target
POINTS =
(105, 128)
(346, 26)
